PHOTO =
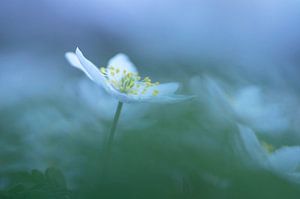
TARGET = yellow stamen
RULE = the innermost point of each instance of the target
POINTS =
(147, 79)
(103, 70)
(129, 83)
(268, 147)
(148, 84)
(155, 92)
(144, 91)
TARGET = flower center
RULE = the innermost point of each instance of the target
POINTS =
(268, 147)
(128, 82)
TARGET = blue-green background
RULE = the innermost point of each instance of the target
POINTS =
(239, 59)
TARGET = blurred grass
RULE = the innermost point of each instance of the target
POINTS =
(183, 152)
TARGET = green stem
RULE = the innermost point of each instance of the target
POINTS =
(110, 139)
(114, 126)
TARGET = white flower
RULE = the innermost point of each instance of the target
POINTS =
(260, 111)
(120, 79)
(284, 161)
(250, 105)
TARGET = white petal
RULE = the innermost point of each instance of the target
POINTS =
(90, 69)
(122, 62)
(131, 98)
(126, 98)
(167, 99)
(252, 145)
(286, 159)
(163, 89)
(74, 61)
(165, 93)
(251, 105)
(167, 88)
(79, 61)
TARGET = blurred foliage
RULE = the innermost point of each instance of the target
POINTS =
(36, 185)
(182, 151)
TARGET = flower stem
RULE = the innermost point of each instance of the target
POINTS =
(110, 139)
(114, 126)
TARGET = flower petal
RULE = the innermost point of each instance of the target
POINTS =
(122, 62)
(252, 145)
(167, 99)
(165, 93)
(74, 61)
(79, 61)
(126, 98)
(253, 107)
(285, 159)
(163, 89)
(90, 69)
(167, 88)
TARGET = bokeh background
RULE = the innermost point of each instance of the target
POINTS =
(237, 138)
